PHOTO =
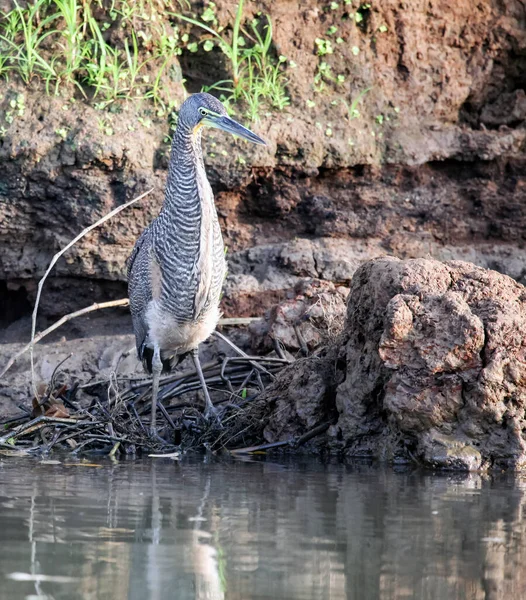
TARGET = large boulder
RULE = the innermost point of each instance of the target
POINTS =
(431, 367)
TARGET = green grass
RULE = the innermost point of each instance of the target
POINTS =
(66, 46)
(23, 37)
(258, 78)
(352, 109)
(108, 51)
(60, 43)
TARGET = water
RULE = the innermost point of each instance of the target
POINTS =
(156, 529)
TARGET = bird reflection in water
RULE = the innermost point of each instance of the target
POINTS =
(166, 544)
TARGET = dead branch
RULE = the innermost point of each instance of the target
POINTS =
(99, 306)
(27, 428)
(232, 321)
(115, 421)
(52, 264)
(241, 353)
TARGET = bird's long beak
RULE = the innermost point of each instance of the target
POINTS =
(231, 126)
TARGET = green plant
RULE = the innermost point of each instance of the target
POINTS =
(256, 76)
(104, 127)
(17, 108)
(6, 58)
(96, 66)
(323, 74)
(323, 47)
(71, 39)
(168, 44)
(26, 54)
(63, 44)
(113, 73)
(352, 110)
(147, 123)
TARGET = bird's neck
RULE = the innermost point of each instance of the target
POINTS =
(186, 171)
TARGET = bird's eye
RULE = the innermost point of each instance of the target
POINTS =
(202, 112)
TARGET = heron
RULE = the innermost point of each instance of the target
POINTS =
(177, 267)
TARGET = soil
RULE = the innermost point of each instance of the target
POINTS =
(434, 165)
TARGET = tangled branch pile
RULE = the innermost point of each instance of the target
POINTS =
(116, 420)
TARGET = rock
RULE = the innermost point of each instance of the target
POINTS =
(432, 363)
(506, 110)
(299, 397)
(313, 315)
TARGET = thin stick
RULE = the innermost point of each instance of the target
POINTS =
(322, 428)
(43, 420)
(231, 321)
(52, 264)
(251, 449)
(59, 323)
(88, 309)
(243, 354)
(113, 451)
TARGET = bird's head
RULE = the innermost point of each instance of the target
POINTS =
(204, 110)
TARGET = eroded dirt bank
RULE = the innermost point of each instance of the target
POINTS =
(433, 164)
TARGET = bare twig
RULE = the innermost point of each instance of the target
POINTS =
(243, 354)
(278, 349)
(113, 451)
(52, 264)
(301, 340)
(293, 443)
(27, 428)
(261, 447)
(231, 321)
(117, 418)
(23, 417)
(303, 439)
(176, 454)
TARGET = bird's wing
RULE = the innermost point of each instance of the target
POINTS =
(140, 287)
(138, 245)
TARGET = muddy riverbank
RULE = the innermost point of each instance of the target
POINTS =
(427, 366)
(404, 136)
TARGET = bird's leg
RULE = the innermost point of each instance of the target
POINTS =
(210, 408)
(157, 367)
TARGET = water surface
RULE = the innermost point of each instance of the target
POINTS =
(158, 529)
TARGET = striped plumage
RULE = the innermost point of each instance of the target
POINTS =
(177, 267)
(178, 262)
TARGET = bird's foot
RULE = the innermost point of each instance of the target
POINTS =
(211, 416)
(154, 435)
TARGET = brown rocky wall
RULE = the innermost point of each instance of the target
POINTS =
(433, 165)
